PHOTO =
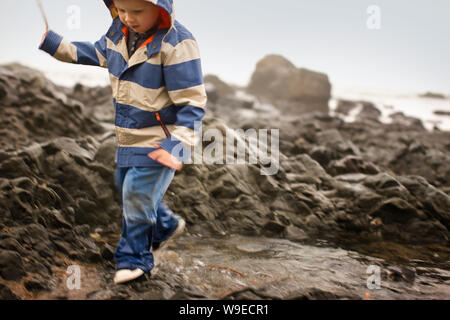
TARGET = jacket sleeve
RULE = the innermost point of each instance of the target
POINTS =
(184, 82)
(75, 52)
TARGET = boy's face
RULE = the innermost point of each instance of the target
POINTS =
(139, 15)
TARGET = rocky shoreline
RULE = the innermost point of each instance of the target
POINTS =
(359, 184)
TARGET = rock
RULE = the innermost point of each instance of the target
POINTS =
(13, 245)
(351, 164)
(401, 274)
(432, 95)
(436, 202)
(441, 112)
(101, 295)
(34, 109)
(295, 234)
(411, 150)
(337, 181)
(345, 106)
(107, 252)
(6, 293)
(36, 284)
(276, 79)
(11, 265)
(368, 111)
(188, 293)
(106, 153)
(93, 256)
(97, 102)
(55, 219)
(216, 88)
(401, 119)
(394, 211)
(249, 293)
(318, 294)
(62, 246)
(273, 227)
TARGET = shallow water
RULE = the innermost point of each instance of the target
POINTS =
(219, 266)
(276, 269)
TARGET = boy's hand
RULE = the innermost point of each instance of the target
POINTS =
(165, 158)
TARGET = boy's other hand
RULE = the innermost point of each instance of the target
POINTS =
(43, 37)
(165, 158)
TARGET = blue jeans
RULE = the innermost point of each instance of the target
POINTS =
(146, 218)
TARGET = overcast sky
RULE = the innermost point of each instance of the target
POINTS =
(410, 51)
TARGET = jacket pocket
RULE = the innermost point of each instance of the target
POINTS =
(162, 124)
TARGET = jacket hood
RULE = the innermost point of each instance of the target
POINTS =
(167, 11)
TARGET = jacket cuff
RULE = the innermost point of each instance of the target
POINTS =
(51, 43)
(176, 148)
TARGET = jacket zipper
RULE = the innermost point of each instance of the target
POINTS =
(162, 124)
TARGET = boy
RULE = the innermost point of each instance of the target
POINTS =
(158, 94)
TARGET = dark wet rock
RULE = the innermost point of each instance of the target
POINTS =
(277, 79)
(188, 293)
(55, 219)
(351, 164)
(274, 227)
(365, 110)
(435, 202)
(368, 111)
(401, 119)
(106, 152)
(402, 273)
(250, 294)
(318, 294)
(36, 284)
(6, 293)
(62, 246)
(102, 295)
(34, 109)
(410, 151)
(11, 265)
(93, 256)
(332, 146)
(97, 101)
(13, 245)
(341, 182)
(345, 106)
(107, 252)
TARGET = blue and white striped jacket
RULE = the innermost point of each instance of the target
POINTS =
(158, 93)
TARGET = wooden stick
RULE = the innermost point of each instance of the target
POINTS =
(44, 16)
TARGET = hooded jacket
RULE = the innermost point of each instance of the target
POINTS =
(159, 95)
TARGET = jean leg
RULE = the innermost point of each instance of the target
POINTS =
(119, 177)
(166, 222)
(143, 189)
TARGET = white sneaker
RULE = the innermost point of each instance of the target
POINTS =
(125, 275)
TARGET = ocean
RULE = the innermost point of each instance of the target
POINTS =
(387, 101)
